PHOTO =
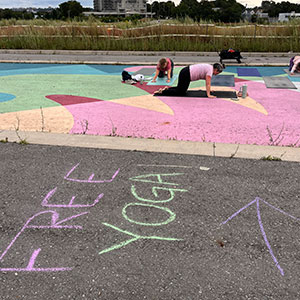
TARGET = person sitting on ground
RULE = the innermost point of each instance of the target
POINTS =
(165, 65)
(294, 65)
(192, 73)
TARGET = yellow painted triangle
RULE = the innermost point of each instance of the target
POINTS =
(50, 119)
(147, 102)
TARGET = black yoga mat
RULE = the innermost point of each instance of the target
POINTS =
(202, 94)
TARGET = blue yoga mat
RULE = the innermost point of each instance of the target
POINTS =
(248, 72)
(163, 81)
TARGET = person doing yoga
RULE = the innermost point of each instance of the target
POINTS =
(294, 65)
(192, 73)
(165, 65)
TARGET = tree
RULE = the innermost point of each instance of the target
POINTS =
(189, 8)
(70, 9)
(229, 10)
(162, 9)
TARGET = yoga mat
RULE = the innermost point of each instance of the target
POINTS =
(278, 82)
(223, 80)
(202, 94)
(248, 72)
(295, 74)
(145, 71)
(163, 81)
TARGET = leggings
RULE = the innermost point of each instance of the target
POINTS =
(291, 63)
(182, 86)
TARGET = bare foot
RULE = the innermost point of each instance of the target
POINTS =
(158, 91)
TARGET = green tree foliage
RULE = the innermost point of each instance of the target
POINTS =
(11, 14)
(218, 10)
(70, 9)
(228, 10)
(206, 10)
(189, 8)
(162, 9)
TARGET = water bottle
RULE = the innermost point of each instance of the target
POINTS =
(244, 91)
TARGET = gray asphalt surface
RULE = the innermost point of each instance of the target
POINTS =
(137, 57)
(177, 235)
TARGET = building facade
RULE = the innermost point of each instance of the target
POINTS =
(284, 17)
(121, 7)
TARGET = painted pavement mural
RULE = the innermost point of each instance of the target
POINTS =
(91, 99)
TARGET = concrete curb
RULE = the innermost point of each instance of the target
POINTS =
(149, 145)
(137, 53)
(151, 63)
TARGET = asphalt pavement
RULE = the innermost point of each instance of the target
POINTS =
(81, 223)
(138, 57)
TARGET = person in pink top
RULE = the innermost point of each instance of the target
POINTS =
(165, 65)
(193, 73)
(295, 65)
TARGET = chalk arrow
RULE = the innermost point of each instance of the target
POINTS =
(256, 201)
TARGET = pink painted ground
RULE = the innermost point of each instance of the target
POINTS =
(200, 119)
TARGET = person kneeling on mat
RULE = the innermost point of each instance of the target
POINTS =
(294, 65)
(192, 73)
(165, 65)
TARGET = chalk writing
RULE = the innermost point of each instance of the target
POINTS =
(172, 215)
(90, 179)
(165, 166)
(154, 191)
(174, 166)
(30, 267)
(257, 201)
(158, 177)
(54, 224)
(170, 219)
(204, 168)
(135, 238)
(70, 204)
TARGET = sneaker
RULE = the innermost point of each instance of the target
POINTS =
(129, 81)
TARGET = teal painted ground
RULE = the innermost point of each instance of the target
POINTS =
(25, 86)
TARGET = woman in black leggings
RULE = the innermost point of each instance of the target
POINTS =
(192, 73)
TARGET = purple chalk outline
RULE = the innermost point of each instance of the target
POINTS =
(54, 224)
(70, 205)
(257, 200)
(90, 180)
(30, 266)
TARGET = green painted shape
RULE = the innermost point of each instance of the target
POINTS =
(31, 90)
(198, 83)
(251, 78)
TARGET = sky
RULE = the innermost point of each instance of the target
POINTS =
(89, 3)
